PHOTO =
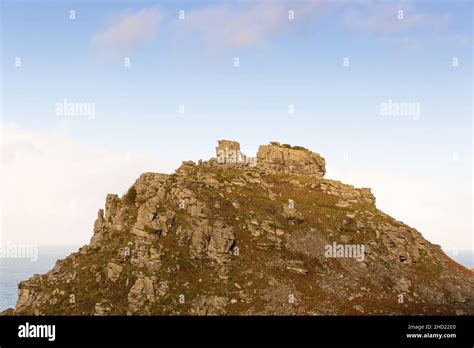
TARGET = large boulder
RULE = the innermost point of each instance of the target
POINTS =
(141, 292)
(115, 212)
(292, 160)
(212, 241)
(113, 271)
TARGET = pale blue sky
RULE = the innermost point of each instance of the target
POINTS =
(282, 62)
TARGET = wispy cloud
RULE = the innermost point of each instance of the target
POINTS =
(248, 24)
(251, 24)
(387, 18)
(129, 31)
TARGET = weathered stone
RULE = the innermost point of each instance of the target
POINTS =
(151, 223)
(212, 241)
(141, 292)
(292, 214)
(153, 235)
(99, 228)
(228, 152)
(200, 236)
(227, 145)
(342, 204)
(293, 160)
(102, 308)
(222, 239)
(212, 305)
(279, 232)
(146, 256)
(297, 270)
(271, 242)
(113, 271)
(150, 185)
(111, 206)
(25, 298)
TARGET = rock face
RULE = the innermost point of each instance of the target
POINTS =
(228, 152)
(113, 271)
(227, 145)
(211, 241)
(291, 160)
(99, 228)
(142, 291)
(234, 238)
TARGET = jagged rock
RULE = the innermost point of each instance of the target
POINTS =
(146, 256)
(212, 305)
(279, 232)
(297, 270)
(113, 271)
(221, 241)
(102, 308)
(294, 160)
(198, 210)
(99, 228)
(151, 223)
(26, 297)
(212, 241)
(292, 214)
(228, 152)
(403, 285)
(270, 226)
(115, 213)
(254, 222)
(226, 145)
(150, 185)
(8, 312)
(163, 288)
(199, 241)
(57, 268)
(254, 231)
(181, 232)
(342, 204)
(271, 242)
(347, 194)
(141, 292)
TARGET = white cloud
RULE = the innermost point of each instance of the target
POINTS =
(52, 187)
(440, 209)
(248, 24)
(129, 31)
(384, 18)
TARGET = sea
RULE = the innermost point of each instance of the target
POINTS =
(14, 270)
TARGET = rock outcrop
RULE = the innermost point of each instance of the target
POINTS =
(241, 237)
(291, 160)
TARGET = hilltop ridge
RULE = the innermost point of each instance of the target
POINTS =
(240, 235)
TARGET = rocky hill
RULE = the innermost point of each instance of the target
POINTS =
(238, 235)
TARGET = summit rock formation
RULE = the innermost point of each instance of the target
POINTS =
(239, 235)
